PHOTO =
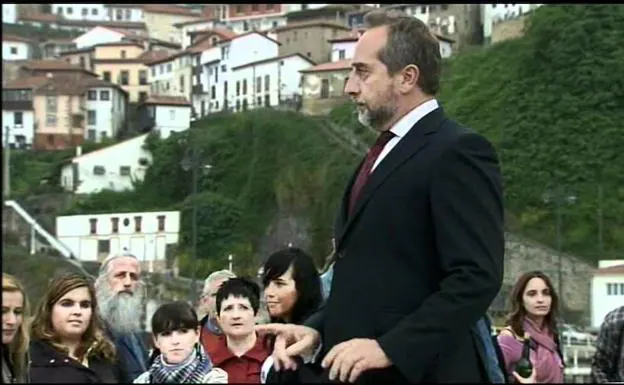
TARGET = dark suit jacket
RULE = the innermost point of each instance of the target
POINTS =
(133, 358)
(421, 258)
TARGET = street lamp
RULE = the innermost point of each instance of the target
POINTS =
(192, 163)
(559, 198)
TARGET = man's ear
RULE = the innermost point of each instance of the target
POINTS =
(409, 78)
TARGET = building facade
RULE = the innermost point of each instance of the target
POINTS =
(144, 234)
(9, 13)
(91, 12)
(161, 19)
(607, 290)
(309, 39)
(323, 87)
(114, 168)
(16, 48)
(168, 114)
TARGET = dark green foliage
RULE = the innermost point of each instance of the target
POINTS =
(553, 103)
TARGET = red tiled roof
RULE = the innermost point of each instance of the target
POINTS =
(611, 270)
(311, 24)
(223, 33)
(164, 59)
(41, 17)
(331, 66)
(51, 65)
(167, 100)
(15, 38)
(354, 35)
(201, 45)
(249, 33)
(269, 60)
(150, 56)
(26, 82)
(202, 20)
(169, 10)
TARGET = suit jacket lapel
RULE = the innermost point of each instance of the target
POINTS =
(416, 139)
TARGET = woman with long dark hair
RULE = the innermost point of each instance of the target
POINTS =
(534, 305)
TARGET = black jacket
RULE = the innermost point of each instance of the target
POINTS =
(421, 258)
(50, 366)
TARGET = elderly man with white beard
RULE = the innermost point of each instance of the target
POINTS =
(120, 293)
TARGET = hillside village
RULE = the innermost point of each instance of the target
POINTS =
(251, 70)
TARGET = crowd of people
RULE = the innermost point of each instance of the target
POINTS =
(418, 259)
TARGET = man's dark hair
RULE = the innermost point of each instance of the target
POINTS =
(410, 41)
(240, 288)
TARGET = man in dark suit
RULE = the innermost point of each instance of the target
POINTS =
(419, 235)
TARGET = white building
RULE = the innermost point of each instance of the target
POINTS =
(217, 63)
(187, 28)
(268, 82)
(16, 47)
(114, 168)
(607, 290)
(106, 110)
(90, 12)
(126, 12)
(492, 14)
(161, 75)
(20, 126)
(98, 35)
(168, 114)
(146, 235)
(343, 48)
(9, 14)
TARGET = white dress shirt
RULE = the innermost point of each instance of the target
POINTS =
(403, 126)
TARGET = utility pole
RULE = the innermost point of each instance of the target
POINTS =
(600, 221)
(194, 224)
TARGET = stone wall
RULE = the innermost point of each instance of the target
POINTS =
(508, 29)
(522, 255)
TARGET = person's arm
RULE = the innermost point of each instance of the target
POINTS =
(605, 357)
(466, 203)
(511, 350)
(315, 321)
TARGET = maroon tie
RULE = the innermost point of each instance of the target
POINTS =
(367, 166)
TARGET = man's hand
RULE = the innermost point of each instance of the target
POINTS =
(349, 359)
(290, 341)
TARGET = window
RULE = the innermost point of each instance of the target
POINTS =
(259, 101)
(123, 53)
(137, 224)
(153, 71)
(267, 82)
(91, 119)
(275, 22)
(341, 54)
(223, 67)
(161, 223)
(106, 76)
(169, 67)
(214, 40)
(172, 114)
(14, 50)
(143, 77)
(104, 95)
(267, 100)
(259, 84)
(423, 9)
(142, 96)
(213, 92)
(92, 95)
(237, 105)
(103, 246)
(94, 11)
(125, 78)
(245, 26)
(50, 139)
(239, 9)
(309, 54)
(237, 88)
(99, 170)
(70, 11)
(244, 86)
(118, 14)
(324, 88)
(18, 118)
(182, 83)
(51, 107)
(128, 14)
(85, 12)
(115, 224)
(91, 135)
(124, 170)
(245, 104)
(93, 225)
(161, 68)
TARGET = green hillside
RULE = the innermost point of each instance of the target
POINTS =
(551, 102)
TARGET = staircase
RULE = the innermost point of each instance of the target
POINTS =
(17, 221)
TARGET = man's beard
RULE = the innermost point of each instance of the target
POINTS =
(377, 118)
(122, 311)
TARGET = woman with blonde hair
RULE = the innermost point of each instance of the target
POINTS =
(14, 331)
(68, 343)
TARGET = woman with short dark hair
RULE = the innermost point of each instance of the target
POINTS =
(178, 357)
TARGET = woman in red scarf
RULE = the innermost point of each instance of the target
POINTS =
(533, 311)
